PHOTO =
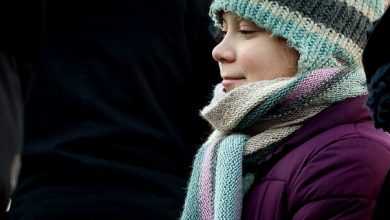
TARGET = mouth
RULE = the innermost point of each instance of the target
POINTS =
(230, 83)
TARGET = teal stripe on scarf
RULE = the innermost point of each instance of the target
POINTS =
(228, 182)
(191, 208)
(254, 115)
(228, 193)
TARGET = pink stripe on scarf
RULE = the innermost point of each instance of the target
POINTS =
(311, 82)
(206, 184)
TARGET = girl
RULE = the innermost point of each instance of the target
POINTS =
(292, 138)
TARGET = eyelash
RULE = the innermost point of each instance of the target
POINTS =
(245, 32)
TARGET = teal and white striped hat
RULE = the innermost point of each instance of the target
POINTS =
(326, 33)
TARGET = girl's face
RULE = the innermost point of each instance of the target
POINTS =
(248, 53)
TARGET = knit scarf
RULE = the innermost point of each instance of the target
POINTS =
(249, 122)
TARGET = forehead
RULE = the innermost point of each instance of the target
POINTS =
(230, 17)
(226, 15)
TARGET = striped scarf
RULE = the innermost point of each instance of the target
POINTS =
(249, 122)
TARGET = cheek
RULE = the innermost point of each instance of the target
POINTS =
(220, 65)
(250, 61)
(257, 65)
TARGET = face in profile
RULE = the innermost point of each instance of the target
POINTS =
(248, 53)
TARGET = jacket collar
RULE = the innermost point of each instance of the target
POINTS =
(345, 112)
(348, 111)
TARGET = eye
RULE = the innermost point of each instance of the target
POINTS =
(247, 29)
(246, 32)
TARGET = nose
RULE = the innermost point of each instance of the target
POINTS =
(223, 53)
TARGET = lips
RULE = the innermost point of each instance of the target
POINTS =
(230, 83)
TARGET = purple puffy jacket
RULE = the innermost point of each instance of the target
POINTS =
(332, 168)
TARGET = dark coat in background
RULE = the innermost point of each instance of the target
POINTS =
(111, 119)
(376, 60)
(11, 125)
(14, 80)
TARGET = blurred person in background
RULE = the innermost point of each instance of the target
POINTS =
(376, 60)
(111, 118)
(11, 127)
(14, 81)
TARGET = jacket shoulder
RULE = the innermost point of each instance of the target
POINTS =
(341, 174)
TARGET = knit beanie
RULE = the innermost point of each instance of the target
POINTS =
(326, 33)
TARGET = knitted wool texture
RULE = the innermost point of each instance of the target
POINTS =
(249, 122)
(326, 33)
